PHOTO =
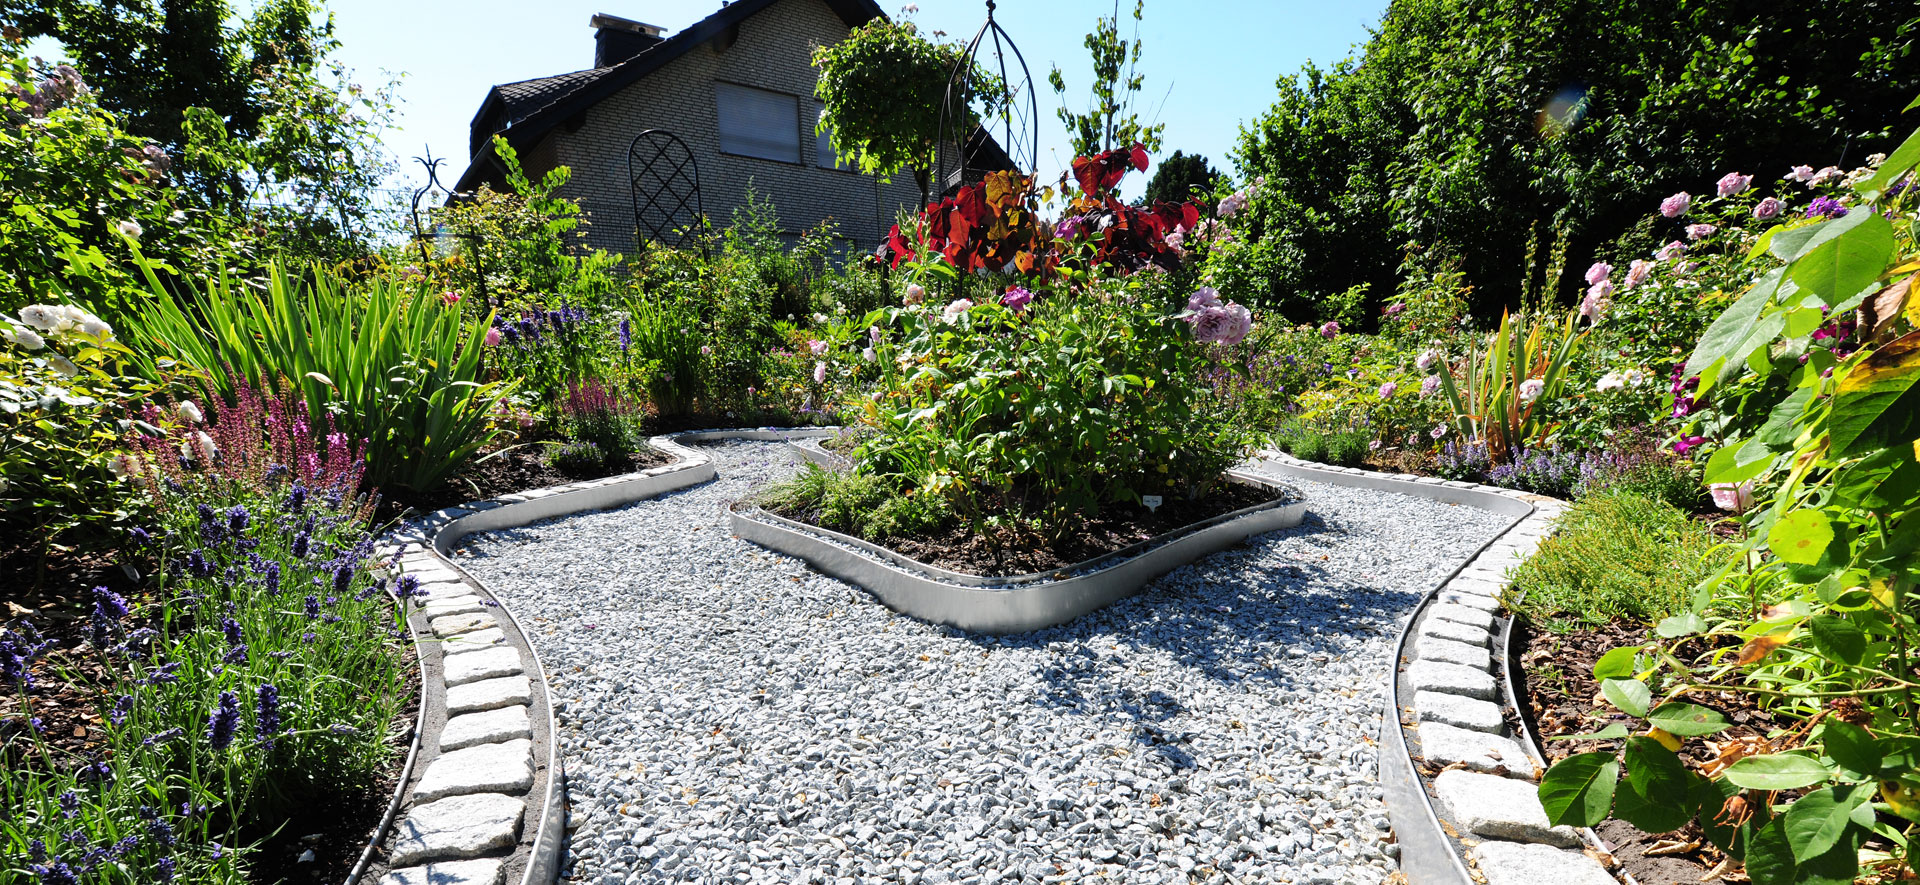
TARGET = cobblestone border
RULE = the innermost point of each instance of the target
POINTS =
(1462, 794)
(484, 789)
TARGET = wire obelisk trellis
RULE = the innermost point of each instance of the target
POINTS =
(424, 237)
(992, 72)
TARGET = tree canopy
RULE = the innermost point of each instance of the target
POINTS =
(1516, 137)
(1180, 177)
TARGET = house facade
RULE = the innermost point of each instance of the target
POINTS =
(737, 88)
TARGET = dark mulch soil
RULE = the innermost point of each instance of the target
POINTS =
(499, 472)
(1010, 550)
(1565, 699)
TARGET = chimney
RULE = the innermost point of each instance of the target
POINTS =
(617, 39)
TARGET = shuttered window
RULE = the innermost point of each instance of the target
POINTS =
(823, 155)
(758, 123)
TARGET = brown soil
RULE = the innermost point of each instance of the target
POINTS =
(1564, 699)
(1009, 550)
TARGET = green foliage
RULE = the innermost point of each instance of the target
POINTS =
(862, 504)
(1615, 556)
(1816, 616)
(524, 241)
(1078, 401)
(1500, 389)
(1110, 122)
(247, 105)
(883, 87)
(394, 365)
(1505, 133)
(1181, 177)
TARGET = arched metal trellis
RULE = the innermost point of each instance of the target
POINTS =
(665, 177)
(992, 74)
(425, 237)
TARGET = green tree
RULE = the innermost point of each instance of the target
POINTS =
(1519, 137)
(1181, 177)
(255, 117)
(1109, 121)
(883, 87)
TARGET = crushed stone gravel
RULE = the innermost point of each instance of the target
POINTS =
(728, 716)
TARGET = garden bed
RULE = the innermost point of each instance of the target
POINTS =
(506, 470)
(1008, 549)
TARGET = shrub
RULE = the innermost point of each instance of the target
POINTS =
(1346, 448)
(597, 415)
(577, 458)
(1617, 555)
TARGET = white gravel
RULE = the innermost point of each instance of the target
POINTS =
(729, 716)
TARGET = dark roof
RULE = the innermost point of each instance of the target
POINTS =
(526, 110)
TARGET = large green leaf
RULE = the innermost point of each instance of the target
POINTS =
(1578, 790)
(1770, 860)
(1630, 695)
(1875, 404)
(1816, 822)
(1723, 342)
(1903, 158)
(1838, 638)
(1780, 771)
(1852, 747)
(1616, 664)
(1845, 264)
(1738, 463)
(1655, 795)
(1801, 536)
(1687, 720)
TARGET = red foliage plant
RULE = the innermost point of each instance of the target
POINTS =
(993, 225)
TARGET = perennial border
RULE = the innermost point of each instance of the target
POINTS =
(469, 805)
(1474, 814)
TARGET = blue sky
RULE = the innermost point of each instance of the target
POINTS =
(1209, 65)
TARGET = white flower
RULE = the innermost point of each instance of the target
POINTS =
(1610, 381)
(190, 412)
(1531, 389)
(1875, 160)
(1427, 360)
(4, 485)
(28, 339)
(868, 355)
(44, 317)
(123, 465)
(203, 444)
(130, 229)
(65, 366)
(954, 310)
(1636, 377)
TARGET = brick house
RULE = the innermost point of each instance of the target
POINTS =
(736, 87)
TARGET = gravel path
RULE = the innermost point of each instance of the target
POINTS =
(729, 716)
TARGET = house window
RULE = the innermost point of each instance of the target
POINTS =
(823, 155)
(758, 123)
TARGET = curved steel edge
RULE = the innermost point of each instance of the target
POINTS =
(439, 531)
(924, 593)
(1427, 855)
(427, 698)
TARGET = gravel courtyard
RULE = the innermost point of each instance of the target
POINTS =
(729, 716)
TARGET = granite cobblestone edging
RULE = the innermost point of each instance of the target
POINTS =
(483, 791)
(1462, 793)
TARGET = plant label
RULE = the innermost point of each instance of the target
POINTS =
(1152, 502)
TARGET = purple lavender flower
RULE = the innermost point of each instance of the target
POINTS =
(231, 629)
(121, 707)
(237, 519)
(164, 868)
(313, 606)
(162, 737)
(222, 722)
(626, 335)
(267, 714)
(296, 499)
(342, 579)
(302, 542)
(69, 803)
(56, 873)
(1826, 206)
(108, 609)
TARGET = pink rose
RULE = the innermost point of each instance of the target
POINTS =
(1671, 251)
(1430, 386)
(1700, 231)
(1203, 298)
(1329, 329)
(1732, 497)
(1599, 271)
(1767, 208)
(818, 347)
(1799, 173)
(1733, 183)
(1676, 205)
(916, 293)
(820, 373)
(1387, 389)
(1638, 272)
